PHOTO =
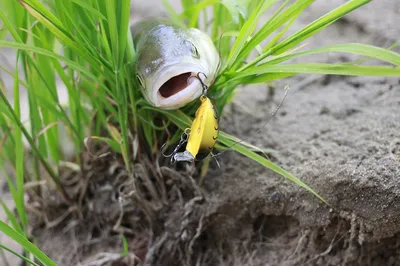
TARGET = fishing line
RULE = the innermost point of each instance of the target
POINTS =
(287, 87)
(185, 135)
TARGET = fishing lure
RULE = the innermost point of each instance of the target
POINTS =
(201, 136)
(203, 133)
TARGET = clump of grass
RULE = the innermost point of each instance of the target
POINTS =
(87, 46)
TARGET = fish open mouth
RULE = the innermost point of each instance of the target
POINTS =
(175, 85)
(174, 88)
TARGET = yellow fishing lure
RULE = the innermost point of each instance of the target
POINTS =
(203, 133)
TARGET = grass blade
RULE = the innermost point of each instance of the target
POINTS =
(353, 48)
(26, 244)
(11, 217)
(317, 26)
(19, 160)
(278, 19)
(19, 255)
(68, 62)
(245, 32)
(227, 140)
(320, 68)
(182, 121)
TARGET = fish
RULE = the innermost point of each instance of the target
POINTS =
(170, 60)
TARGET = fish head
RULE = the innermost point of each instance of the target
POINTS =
(170, 62)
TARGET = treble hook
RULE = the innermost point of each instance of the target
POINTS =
(184, 138)
(162, 152)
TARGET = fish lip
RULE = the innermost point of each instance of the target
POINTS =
(182, 97)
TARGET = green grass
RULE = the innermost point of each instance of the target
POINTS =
(28, 246)
(86, 44)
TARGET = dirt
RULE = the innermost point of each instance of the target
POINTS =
(338, 134)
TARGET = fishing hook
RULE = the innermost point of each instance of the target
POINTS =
(204, 86)
(184, 138)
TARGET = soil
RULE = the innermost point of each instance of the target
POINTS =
(338, 134)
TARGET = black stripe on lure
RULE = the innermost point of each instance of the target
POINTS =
(201, 136)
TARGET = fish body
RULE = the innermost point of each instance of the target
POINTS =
(168, 62)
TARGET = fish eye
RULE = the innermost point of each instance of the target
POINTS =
(193, 50)
(140, 80)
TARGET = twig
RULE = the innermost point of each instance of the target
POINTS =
(199, 230)
(106, 257)
(299, 243)
(329, 249)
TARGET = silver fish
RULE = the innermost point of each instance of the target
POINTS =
(168, 60)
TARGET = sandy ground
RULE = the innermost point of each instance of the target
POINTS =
(338, 134)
